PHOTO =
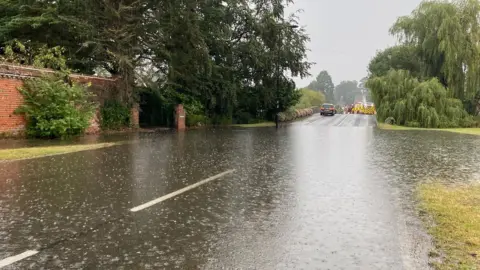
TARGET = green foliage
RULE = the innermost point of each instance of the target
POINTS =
(222, 120)
(288, 115)
(229, 58)
(54, 108)
(242, 117)
(439, 48)
(50, 58)
(197, 120)
(17, 53)
(324, 83)
(410, 102)
(339, 109)
(310, 98)
(114, 115)
(398, 57)
(292, 114)
(446, 36)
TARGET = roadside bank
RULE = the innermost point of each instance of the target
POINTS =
(470, 131)
(452, 214)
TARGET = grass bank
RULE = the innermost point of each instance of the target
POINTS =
(455, 224)
(262, 124)
(471, 131)
(35, 152)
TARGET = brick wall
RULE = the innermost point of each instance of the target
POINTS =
(11, 78)
(10, 99)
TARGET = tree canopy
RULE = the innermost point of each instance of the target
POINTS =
(446, 35)
(436, 65)
(310, 98)
(416, 104)
(323, 82)
(228, 56)
(398, 57)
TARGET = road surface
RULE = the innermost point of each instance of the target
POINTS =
(323, 193)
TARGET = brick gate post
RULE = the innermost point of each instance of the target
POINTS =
(180, 117)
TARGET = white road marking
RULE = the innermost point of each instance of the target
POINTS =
(180, 191)
(341, 122)
(16, 258)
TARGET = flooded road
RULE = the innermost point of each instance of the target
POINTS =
(324, 193)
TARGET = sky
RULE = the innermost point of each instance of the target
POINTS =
(346, 34)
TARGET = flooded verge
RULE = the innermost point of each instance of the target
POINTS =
(332, 193)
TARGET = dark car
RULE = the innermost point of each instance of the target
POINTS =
(328, 109)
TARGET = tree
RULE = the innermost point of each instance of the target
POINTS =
(231, 57)
(324, 83)
(347, 92)
(38, 24)
(227, 55)
(446, 35)
(404, 57)
(310, 98)
(414, 103)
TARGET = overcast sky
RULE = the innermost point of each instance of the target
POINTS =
(345, 34)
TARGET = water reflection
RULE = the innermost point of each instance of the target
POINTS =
(301, 196)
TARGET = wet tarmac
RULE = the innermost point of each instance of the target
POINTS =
(324, 193)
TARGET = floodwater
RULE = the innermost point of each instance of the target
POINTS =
(324, 193)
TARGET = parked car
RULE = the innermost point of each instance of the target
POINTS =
(328, 109)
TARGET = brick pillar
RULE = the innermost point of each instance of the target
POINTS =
(134, 116)
(94, 127)
(180, 117)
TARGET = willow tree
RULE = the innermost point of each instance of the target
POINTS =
(447, 35)
(414, 103)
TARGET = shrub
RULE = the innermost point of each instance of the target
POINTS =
(390, 121)
(222, 120)
(54, 108)
(44, 57)
(293, 114)
(243, 117)
(196, 120)
(339, 109)
(114, 115)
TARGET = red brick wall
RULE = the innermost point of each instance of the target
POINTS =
(11, 78)
(10, 99)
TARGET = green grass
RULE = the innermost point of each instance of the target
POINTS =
(471, 131)
(35, 152)
(455, 212)
(262, 124)
(394, 127)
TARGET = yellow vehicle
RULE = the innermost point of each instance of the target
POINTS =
(358, 108)
(369, 108)
(364, 108)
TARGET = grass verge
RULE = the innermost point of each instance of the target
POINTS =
(471, 131)
(394, 127)
(262, 124)
(35, 152)
(455, 212)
